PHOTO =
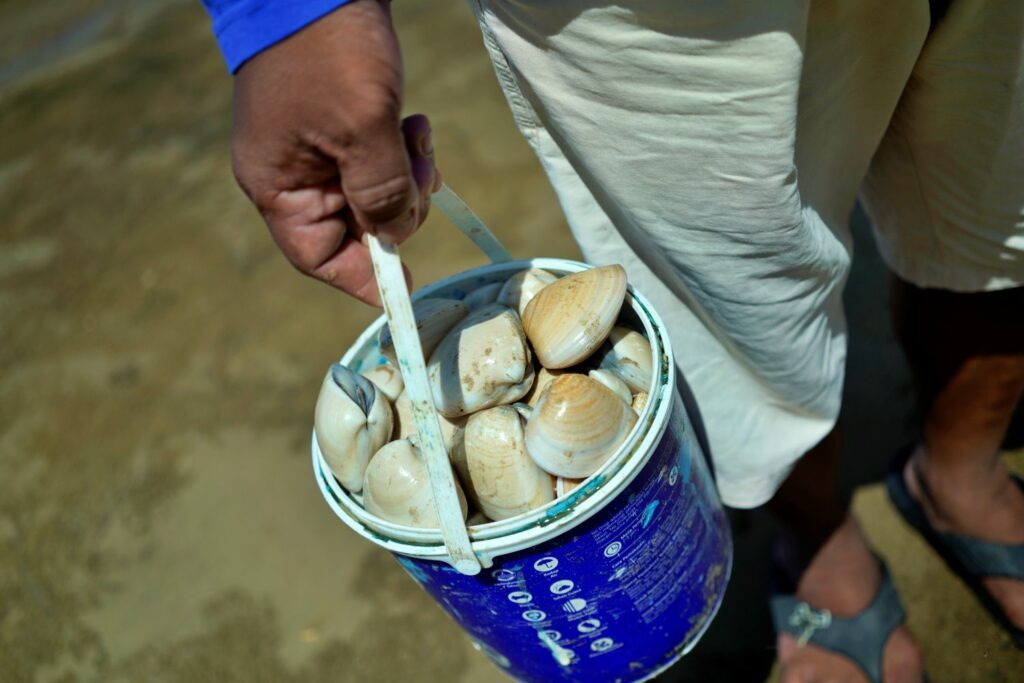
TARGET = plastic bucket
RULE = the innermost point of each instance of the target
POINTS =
(614, 582)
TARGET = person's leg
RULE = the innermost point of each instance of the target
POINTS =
(839, 571)
(966, 351)
(824, 552)
(809, 503)
(944, 192)
(946, 196)
(671, 134)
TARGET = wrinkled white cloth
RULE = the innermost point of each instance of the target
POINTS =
(715, 149)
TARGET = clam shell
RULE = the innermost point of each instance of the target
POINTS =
(544, 378)
(522, 287)
(523, 409)
(434, 318)
(397, 487)
(457, 456)
(627, 353)
(387, 378)
(405, 425)
(576, 425)
(481, 296)
(570, 318)
(639, 402)
(483, 361)
(613, 383)
(351, 421)
(491, 457)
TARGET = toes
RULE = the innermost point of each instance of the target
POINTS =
(786, 647)
(792, 672)
(903, 659)
(797, 674)
(902, 662)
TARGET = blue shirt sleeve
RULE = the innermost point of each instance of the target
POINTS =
(246, 27)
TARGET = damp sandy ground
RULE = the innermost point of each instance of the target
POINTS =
(159, 362)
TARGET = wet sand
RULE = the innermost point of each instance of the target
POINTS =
(158, 517)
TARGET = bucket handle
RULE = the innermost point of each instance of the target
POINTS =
(387, 267)
(459, 213)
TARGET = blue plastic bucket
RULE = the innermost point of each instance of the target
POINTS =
(614, 582)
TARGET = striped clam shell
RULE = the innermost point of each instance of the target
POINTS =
(569, 319)
(576, 425)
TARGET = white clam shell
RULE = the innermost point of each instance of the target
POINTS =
(613, 383)
(434, 318)
(387, 378)
(544, 378)
(576, 425)
(570, 318)
(522, 287)
(627, 353)
(495, 468)
(481, 296)
(639, 402)
(352, 420)
(405, 424)
(397, 487)
(483, 361)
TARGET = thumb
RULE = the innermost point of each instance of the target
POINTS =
(377, 180)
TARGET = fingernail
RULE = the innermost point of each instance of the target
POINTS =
(426, 145)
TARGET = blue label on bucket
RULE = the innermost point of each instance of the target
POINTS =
(617, 598)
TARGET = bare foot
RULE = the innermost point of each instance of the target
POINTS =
(844, 577)
(981, 502)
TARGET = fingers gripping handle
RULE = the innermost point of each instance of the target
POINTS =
(387, 267)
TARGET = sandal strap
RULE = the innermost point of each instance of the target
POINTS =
(981, 558)
(860, 638)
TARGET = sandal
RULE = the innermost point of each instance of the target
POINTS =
(969, 558)
(860, 638)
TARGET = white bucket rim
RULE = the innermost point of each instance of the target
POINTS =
(536, 526)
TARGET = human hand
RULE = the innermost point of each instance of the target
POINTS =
(321, 151)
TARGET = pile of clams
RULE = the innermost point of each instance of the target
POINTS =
(535, 385)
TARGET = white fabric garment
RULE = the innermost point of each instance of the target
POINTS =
(715, 149)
